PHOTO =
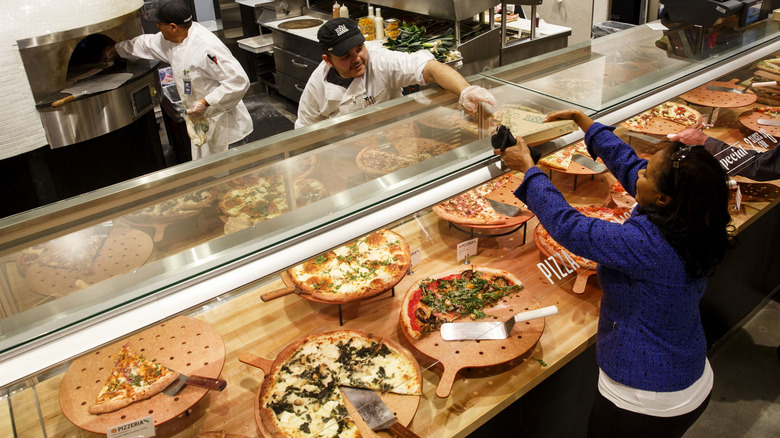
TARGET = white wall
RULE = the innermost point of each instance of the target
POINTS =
(21, 126)
(575, 14)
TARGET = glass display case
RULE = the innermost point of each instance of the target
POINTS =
(609, 72)
(183, 246)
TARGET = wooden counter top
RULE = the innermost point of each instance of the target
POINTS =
(247, 324)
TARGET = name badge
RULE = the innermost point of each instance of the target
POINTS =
(187, 87)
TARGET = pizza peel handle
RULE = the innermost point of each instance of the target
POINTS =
(255, 361)
(444, 388)
(278, 293)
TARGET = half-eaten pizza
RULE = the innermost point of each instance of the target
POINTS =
(300, 396)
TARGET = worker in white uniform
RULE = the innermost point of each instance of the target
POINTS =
(209, 79)
(354, 75)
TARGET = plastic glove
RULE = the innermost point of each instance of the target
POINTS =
(473, 95)
(196, 109)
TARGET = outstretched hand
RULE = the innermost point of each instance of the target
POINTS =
(689, 136)
(517, 157)
(577, 116)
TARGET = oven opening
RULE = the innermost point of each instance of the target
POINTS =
(87, 58)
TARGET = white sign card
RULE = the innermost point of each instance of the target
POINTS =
(140, 428)
(467, 248)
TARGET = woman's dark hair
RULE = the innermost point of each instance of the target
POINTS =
(696, 220)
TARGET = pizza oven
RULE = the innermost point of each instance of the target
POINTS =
(73, 58)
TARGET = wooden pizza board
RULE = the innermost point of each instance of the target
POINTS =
(159, 227)
(184, 344)
(749, 119)
(581, 281)
(123, 250)
(457, 355)
(660, 126)
(622, 199)
(403, 406)
(719, 99)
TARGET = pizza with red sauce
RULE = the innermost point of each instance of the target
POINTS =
(452, 294)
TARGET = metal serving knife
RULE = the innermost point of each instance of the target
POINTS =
(199, 381)
(461, 331)
(375, 412)
(589, 163)
(725, 89)
(767, 122)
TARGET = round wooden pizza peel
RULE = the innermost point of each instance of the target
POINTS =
(123, 250)
(159, 227)
(719, 99)
(457, 355)
(661, 126)
(184, 344)
(749, 119)
(581, 281)
(403, 406)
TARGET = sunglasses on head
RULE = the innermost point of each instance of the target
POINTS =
(677, 157)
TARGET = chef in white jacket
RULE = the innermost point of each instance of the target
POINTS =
(354, 75)
(209, 79)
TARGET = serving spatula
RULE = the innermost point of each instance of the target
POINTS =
(199, 381)
(376, 414)
(460, 331)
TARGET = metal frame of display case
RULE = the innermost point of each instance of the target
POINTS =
(192, 277)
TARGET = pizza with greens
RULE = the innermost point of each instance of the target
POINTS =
(465, 291)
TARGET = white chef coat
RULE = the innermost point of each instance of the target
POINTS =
(386, 74)
(204, 62)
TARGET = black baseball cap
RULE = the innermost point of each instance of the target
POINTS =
(173, 11)
(339, 35)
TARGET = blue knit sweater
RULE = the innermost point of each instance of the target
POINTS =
(650, 335)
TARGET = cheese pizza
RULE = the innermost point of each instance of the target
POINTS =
(452, 294)
(300, 395)
(472, 207)
(133, 378)
(361, 269)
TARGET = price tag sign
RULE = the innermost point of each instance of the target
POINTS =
(416, 256)
(140, 428)
(467, 248)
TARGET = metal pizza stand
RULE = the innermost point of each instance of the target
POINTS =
(455, 356)
(403, 406)
(184, 344)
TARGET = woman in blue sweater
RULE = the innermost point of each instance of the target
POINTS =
(654, 377)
